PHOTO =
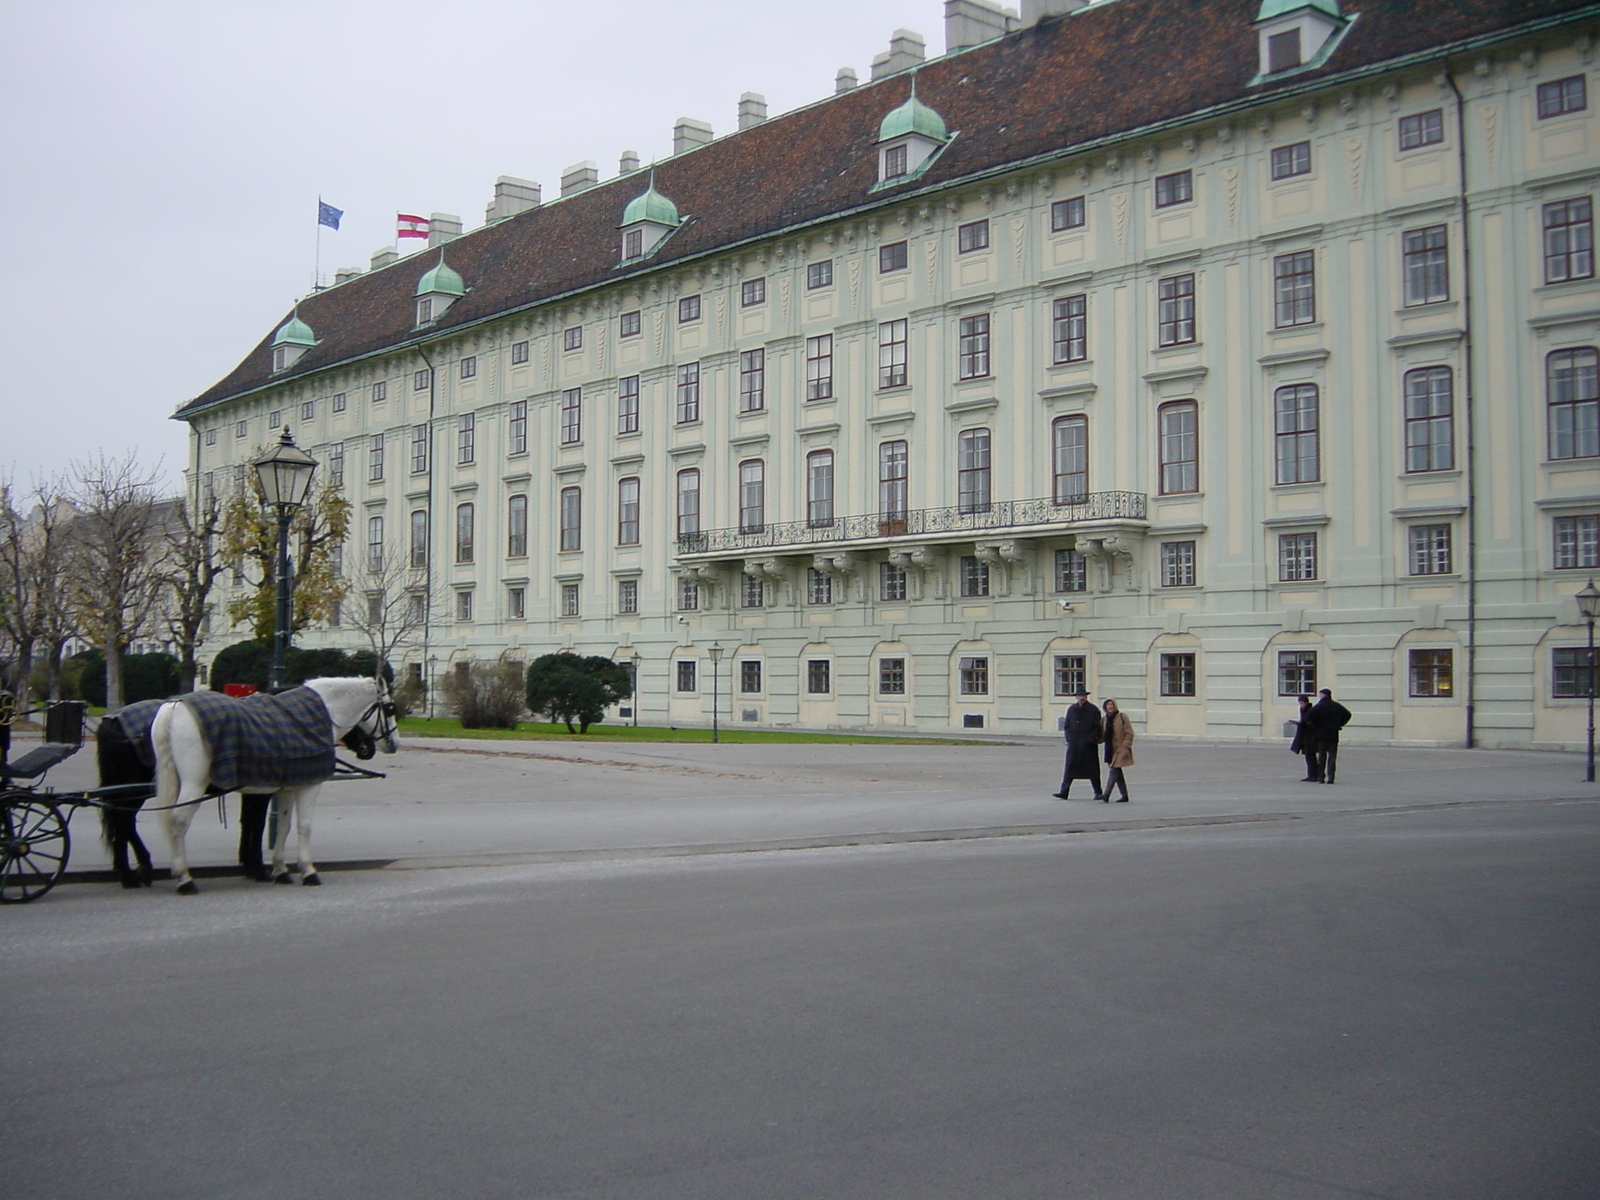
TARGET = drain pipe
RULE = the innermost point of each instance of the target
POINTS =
(1470, 411)
(427, 568)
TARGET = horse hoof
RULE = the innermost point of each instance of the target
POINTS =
(312, 880)
(131, 884)
(284, 878)
(259, 874)
(188, 889)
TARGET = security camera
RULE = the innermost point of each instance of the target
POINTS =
(1064, 605)
(683, 620)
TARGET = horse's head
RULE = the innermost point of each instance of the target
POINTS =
(363, 710)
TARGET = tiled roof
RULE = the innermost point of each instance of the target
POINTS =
(1106, 70)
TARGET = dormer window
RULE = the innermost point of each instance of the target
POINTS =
(1283, 51)
(908, 138)
(437, 291)
(648, 221)
(1297, 33)
(633, 243)
(280, 357)
(894, 162)
(289, 344)
(424, 310)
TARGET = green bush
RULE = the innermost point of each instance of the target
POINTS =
(571, 687)
(251, 662)
(144, 677)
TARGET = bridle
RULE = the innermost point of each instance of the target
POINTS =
(365, 743)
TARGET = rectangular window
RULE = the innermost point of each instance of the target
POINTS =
(1427, 265)
(893, 481)
(972, 236)
(1295, 419)
(688, 309)
(1432, 673)
(1297, 557)
(752, 591)
(819, 367)
(572, 338)
(1571, 673)
(686, 680)
(465, 530)
(627, 595)
(241, 429)
(421, 380)
(308, 410)
(1177, 674)
(374, 545)
(1069, 438)
(469, 367)
(517, 526)
(752, 380)
(750, 676)
(339, 402)
(974, 577)
(571, 416)
(974, 675)
(419, 538)
(688, 594)
(628, 404)
(894, 339)
(375, 606)
(336, 464)
(1568, 240)
(419, 449)
(688, 393)
(891, 581)
(752, 496)
(275, 419)
(1175, 310)
(466, 438)
(891, 677)
(628, 324)
(571, 518)
(1422, 129)
(519, 427)
(1069, 328)
(1176, 188)
(628, 511)
(892, 257)
(819, 489)
(972, 470)
(1177, 564)
(688, 501)
(569, 599)
(380, 392)
(819, 586)
(1294, 289)
(463, 608)
(1572, 397)
(516, 603)
(1068, 214)
(1561, 96)
(519, 353)
(1180, 447)
(1430, 419)
(375, 458)
(819, 274)
(1071, 674)
(894, 162)
(1072, 573)
(973, 347)
(819, 672)
(1289, 161)
(1430, 549)
(1577, 543)
(1297, 673)
(633, 243)
(752, 292)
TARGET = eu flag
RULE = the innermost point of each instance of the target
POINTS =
(328, 215)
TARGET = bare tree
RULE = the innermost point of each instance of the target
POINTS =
(192, 567)
(390, 603)
(34, 608)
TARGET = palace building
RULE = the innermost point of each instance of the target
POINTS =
(1199, 352)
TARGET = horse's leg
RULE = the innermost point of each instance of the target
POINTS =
(114, 833)
(252, 826)
(282, 810)
(141, 852)
(183, 771)
(305, 806)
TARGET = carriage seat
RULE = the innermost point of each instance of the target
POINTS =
(38, 760)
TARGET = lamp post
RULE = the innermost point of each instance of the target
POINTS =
(1589, 606)
(715, 651)
(285, 473)
(635, 660)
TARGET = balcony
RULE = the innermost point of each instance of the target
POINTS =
(1012, 518)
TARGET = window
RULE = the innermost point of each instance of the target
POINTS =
(819, 489)
(1577, 543)
(1069, 327)
(819, 586)
(972, 470)
(1297, 672)
(891, 581)
(569, 599)
(1177, 564)
(1295, 416)
(894, 162)
(336, 464)
(1570, 672)
(750, 676)
(571, 518)
(466, 438)
(469, 366)
(891, 677)
(1072, 574)
(1180, 447)
(416, 607)
(519, 427)
(973, 347)
(519, 353)
(1297, 557)
(1568, 240)
(752, 380)
(819, 676)
(752, 292)
(1294, 289)
(629, 325)
(1432, 673)
(1427, 266)
(633, 243)
(241, 429)
(380, 392)
(627, 595)
(421, 381)
(308, 410)
(1422, 129)
(686, 681)
(1562, 96)
(819, 367)
(425, 310)
(893, 352)
(819, 274)
(974, 674)
(628, 511)
(1283, 51)
(1068, 214)
(572, 338)
(752, 496)
(628, 404)
(688, 501)
(752, 591)
(1177, 674)
(339, 402)
(1289, 161)
(972, 236)
(516, 603)
(275, 419)
(1069, 439)
(1430, 432)
(1430, 549)
(1175, 310)
(1572, 394)
(375, 601)
(571, 416)
(688, 309)
(688, 594)
(419, 449)
(1071, 674)
(688, 393)
(893, 478)
(374, 545)
(1176, 188)
(465, 529)
(892, 257)
(419, 537)
(974, 577)
(517, 526)
(375, 458)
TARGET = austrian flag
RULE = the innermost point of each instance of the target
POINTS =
(407, 225)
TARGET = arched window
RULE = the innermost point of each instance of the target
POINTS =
(1572, 393)
(1069, 440)
(1430, 419)
(1180, 447)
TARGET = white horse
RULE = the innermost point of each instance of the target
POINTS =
(183, 772)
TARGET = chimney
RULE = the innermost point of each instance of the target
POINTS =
(752, 109)
(579, 177)
(383, 256)
(345, 275)
(628, 163)
(442, 228)
(688, 134)
(511, 196)
(844, 80)
(906, 49)
(973, 22)
(1034, 11)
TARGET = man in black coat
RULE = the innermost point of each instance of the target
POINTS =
(1085, 730)
(1326, 718)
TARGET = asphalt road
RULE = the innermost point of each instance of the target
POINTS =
(1396, 1005)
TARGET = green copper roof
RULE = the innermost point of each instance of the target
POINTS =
(650, 205)
(441, 279)
(913, 117)
(294, 332)
(1277, 8)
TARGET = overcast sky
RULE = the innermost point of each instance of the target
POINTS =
(160, 163)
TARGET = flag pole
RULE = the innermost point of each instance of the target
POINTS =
(316, 269)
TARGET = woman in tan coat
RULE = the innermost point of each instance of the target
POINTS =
(1119, 750)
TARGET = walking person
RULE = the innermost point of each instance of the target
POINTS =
(1119, 750)
(1084, 733)
(1327, 718)
(1304, 742)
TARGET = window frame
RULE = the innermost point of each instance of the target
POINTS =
(518, 428)
(973, 236)
(1071, 571)
(1178, 564)
(819, 274)
(688, 407)
(419, 450)
(974, 470)
(630, 324)
(820, 489)
(1554, 98)
(1069, 458)
(1069, 328)
(973, 577)
(753, 292)
(570, 518)
(1071, 213)
(1430, 548)
(819, 367)
(1287, 162)
(973, 346)
(1174, 188)
(1294, 289)
(894, 353)
(1572, 403)
(1178, 452)
(466, 439)
(419, 539)
(466, 532)
(1178, 674)
(1296, 434)
(893, 256)
(1425, 449)
(571, 416)
(689, 309)
(1297, 672)
(1425, 265)
(628, 510)
(753, 380)
(1430, 672)
(517, 525)
(972, 675)
(627, 404)
(819, 677)
(892, 675)
(688, 501)
(1575, 542)
(752, 496)
(1568, 243)
(1417, 130)
(1297, 557)
(1175, 310)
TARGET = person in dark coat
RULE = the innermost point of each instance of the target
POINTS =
(1303, 743)
(1084, 733)
(1119, 750)
(1327, 718)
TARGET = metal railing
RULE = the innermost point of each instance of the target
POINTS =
(994, 517)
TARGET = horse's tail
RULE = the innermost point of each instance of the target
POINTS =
(120, 761)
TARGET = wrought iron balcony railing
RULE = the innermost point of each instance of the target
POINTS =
(995, 517)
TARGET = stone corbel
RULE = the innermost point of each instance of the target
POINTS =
(1097, 560)
(771, 569)
(846, 568)
(919, 563)
(998, 556)
(1120, 546)
(710, 580)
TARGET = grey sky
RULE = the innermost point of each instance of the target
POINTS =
(160, 163)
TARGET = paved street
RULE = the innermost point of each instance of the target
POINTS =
(1256, 988)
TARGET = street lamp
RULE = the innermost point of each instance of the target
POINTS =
(285, 474)
(1589, 606)
(635, 660)
(715, 651)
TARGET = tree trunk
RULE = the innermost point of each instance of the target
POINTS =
(113, 653)
(19, 685)
(187, 669)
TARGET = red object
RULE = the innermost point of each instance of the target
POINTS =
(407, 225)
(237, 690)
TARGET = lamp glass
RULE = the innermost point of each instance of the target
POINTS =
(285, 472)
(715, 652)
(1589, 601)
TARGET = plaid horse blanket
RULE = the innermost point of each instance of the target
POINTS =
(130, 726)
(265, 742)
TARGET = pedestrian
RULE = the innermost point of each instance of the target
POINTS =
(1119, 750)
(1084, 733)
(1327, 718)
(1304, 744)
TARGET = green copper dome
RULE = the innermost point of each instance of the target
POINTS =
(650, 205)
(294, 332)
(441, 279)
(1277, 8)
(913, 117)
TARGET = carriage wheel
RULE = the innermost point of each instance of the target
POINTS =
(34, 844)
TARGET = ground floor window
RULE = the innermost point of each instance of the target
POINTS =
(752, 591)
(891, 677)
(1071, 674)
(516, 603)
(974, 676)
(1297, 672)
(1569, 672)
(750, 675)
(569, 599)
(686, 675)
(819, 680)
(1432, 673)
(627, 595)
(688, 595)
(1177, 674)
(1177, 564)
(1071, 571)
